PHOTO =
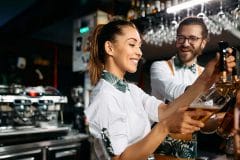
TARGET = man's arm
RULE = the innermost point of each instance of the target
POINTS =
(163, 83)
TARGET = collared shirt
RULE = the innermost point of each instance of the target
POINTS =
(165, 85)
(169, 82)
(126, 115)
(119, 84)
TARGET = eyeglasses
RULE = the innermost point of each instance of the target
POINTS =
(191, 39)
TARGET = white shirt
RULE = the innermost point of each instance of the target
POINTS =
(167, 86)
(126, 116)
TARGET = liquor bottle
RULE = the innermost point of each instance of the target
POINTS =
(142, 9)
(148, 7)
(132, 12)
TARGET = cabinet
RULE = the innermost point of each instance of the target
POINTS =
(69, 148)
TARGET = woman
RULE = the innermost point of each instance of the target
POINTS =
(124, 109)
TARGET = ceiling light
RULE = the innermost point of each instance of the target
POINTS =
(185, 5)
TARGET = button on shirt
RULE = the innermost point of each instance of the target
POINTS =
(127, 115)
(167, 86)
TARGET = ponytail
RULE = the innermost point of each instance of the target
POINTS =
(96, 64)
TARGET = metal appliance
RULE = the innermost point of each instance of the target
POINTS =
(79, 117)
(30, 110)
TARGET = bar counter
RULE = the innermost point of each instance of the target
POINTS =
(65, 146)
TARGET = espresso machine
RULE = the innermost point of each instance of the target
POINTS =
(30, 110)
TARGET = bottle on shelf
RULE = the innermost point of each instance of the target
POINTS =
(142, 9)
(132, 12)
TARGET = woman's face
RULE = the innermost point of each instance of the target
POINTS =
(125, 52)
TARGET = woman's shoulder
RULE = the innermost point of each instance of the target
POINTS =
(102, 89)
(105, 91)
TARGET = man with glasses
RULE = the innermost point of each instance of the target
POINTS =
(169, 79)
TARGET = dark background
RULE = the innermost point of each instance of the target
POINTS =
(42, 30)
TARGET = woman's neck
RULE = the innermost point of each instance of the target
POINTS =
(115, 72)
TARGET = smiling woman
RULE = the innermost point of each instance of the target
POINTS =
(125, 111)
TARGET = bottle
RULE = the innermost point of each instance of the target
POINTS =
(142, 9)
(132, 12)
(148, 8)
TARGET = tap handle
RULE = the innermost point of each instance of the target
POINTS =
(223, 55)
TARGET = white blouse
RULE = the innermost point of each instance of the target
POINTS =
(127, 116)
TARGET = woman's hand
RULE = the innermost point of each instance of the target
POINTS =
(185, 121)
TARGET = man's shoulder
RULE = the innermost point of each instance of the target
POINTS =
(162, 62)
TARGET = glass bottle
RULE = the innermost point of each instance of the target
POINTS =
(132, 12)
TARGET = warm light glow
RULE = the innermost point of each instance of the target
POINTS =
(185, 5)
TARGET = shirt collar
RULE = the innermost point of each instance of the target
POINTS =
(119, 84)
(178, 64)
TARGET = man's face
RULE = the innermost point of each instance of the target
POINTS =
(190, 42)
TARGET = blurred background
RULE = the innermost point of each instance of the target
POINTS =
(44, 51)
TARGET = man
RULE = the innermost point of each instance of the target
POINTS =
(169, 79)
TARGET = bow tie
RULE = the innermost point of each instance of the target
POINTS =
(179, 65)
(119, 84)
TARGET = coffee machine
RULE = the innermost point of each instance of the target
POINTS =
(34, 108)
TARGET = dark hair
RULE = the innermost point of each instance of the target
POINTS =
(194, 21)
(100, 35)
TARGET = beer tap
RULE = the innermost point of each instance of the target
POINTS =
(223, 55)
(229, 126)
(227, 86)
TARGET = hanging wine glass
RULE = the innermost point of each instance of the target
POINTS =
(222, 18)
(147, 35)
(173, 28)
(202, 14)
(236, 15)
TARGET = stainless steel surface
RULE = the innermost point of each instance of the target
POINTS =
(63, 147)
(71, 152)
(30, 107)
(20, 154)
(43, 144)
(14, 132)
(13, 98)
(30, 129)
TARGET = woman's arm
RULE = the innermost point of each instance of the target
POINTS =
(145, 147)
(173, 117)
